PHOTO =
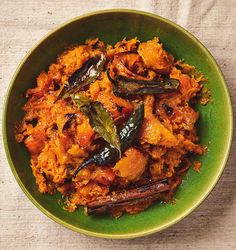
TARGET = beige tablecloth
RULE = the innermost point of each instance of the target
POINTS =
(213, 224)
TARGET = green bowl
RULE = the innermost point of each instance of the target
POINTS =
(215, 125)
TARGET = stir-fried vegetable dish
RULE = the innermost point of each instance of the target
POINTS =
(112, 127)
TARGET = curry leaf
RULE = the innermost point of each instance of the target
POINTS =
(99, 119)
(124, 86)
(81, 100)
(102, 122)
(83, 76)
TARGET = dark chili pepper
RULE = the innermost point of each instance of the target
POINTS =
(109, 154)
(83, 76)
(124, 86)
(131, 128)
(167, 108)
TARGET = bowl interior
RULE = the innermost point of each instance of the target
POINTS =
(214, 129)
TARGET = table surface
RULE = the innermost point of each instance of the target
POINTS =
(210, 226)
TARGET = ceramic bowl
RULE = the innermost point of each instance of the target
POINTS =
(214, 127)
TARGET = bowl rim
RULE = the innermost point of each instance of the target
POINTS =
(186, 211)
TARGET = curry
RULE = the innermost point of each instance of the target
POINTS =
(112, 127)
